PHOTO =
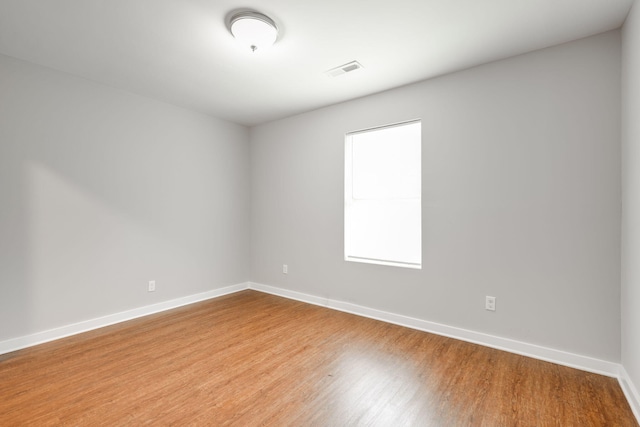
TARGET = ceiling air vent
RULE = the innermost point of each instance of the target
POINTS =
(343, 69)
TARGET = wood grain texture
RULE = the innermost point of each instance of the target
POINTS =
(252, 359)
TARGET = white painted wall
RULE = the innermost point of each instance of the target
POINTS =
(631, 198)
(521, 199)
(102, 190)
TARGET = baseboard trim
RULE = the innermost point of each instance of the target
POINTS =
(630, 391)
(100, 322)
(559, 357)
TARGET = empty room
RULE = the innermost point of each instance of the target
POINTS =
(330, 213)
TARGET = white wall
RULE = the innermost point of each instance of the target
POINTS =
(521, 199)
(102, 190)
(631, 197)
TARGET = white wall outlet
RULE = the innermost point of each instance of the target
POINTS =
(152, 285)
(490, 303)
(285, 269)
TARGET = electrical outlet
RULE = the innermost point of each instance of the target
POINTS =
(152, 285)
(490, 303)
(285, 269)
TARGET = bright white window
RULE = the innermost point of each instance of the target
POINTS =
(383, 213)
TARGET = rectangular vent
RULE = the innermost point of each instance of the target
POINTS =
(343, 69)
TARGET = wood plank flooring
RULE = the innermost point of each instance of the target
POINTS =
(252, 359)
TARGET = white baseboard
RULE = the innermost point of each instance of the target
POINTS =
(544, 353)
(559, 357)
(88, 325)
(630, 391)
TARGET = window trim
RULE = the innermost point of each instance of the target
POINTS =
(348, 190)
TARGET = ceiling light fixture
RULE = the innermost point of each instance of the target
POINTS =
(253, 29)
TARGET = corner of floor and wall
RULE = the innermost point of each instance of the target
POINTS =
(530, 194)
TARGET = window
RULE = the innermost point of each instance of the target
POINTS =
(383, 212)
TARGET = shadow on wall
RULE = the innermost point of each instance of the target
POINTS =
(79, 244)
(81, 252)
(15, 310)
(68, 255)
(102, 191)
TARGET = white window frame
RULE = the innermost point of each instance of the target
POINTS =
(350, 253)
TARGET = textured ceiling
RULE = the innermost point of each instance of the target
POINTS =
(180, 51)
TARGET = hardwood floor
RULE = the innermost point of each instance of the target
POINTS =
(252, 359)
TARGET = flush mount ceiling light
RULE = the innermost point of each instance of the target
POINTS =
(253, 29)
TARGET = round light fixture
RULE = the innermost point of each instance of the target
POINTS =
(253, 29)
